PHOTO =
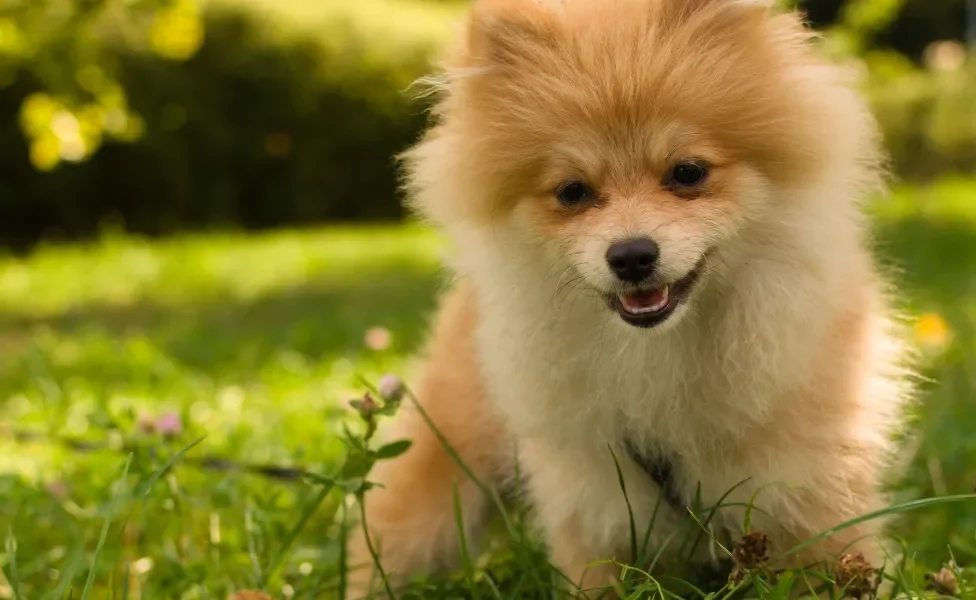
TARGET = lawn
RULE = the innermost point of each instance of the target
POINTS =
(120, 354)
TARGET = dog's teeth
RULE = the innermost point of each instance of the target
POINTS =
(663, 298)
(646, 302)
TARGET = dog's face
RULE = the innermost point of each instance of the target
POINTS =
(639, 220)
(634, 139)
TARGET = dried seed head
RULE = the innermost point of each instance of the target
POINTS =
(365, 406)
(750, 553)
(945, 582)
(58, 489)
(855, 575)
(169, 424)
(146, 424)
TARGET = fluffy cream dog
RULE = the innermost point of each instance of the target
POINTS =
(660, 251)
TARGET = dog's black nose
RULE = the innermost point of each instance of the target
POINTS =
(633, 260)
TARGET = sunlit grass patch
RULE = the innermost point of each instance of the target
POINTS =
(255, 343)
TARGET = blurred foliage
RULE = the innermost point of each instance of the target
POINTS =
(926, 108)
(67, 48)
(173, 114)
(906, 26)
(223, 115)
(928, 115)
(859, 21)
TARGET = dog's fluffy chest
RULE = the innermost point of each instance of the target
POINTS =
(584, 373)
(573, 388)
(564, 370)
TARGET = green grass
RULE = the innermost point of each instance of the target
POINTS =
(257, 342)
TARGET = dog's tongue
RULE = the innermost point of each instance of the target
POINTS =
(645, 301)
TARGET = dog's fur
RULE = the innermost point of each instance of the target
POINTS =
(782, 367)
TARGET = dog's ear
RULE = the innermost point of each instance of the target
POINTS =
(507, 32)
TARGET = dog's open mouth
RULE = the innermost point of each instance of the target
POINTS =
(651, 306)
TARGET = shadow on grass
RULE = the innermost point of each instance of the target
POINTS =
(321, 319)
(326, 317)
(934, 260)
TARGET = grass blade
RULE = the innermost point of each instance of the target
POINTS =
(126, 574)
(372, 549)
(113, 508)
(630, 510)
(343, 549)
(489, 491)
(711, 514)
(74, 564)
(11, 572)
(466, 563)
(891, 510)
(272, 569)
(250, 529)
(708, 532)
(146, 487)
(650, 528)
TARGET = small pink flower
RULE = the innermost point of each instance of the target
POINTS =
(169, 424)
(58, 489)
(391, 388)
(378, 338)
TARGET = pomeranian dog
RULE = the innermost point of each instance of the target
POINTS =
(661, 267)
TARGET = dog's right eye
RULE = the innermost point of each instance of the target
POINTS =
(575, 192)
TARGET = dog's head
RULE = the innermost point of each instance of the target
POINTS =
(634, 139)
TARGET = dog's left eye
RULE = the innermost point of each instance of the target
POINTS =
(575, 192)
(688, 174)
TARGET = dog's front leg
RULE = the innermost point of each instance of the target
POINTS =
(583, 512)
(589, 577)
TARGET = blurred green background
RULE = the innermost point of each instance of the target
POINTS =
(168, 115)
(200, 234)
